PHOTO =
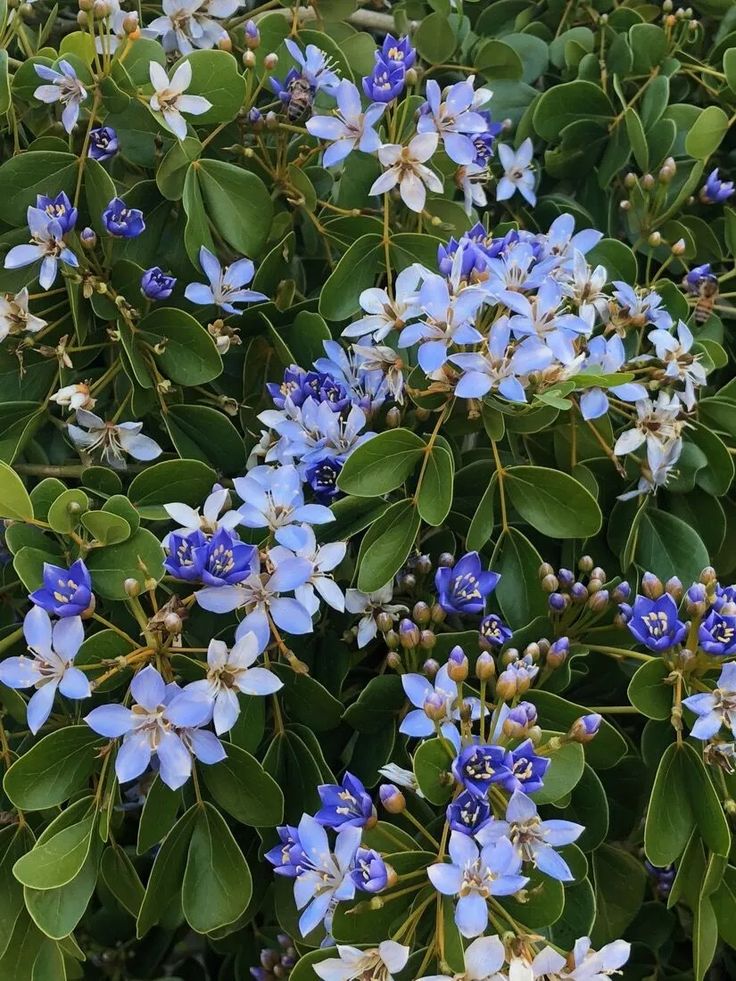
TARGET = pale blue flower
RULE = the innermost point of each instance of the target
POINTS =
(517, 172)
(475, 874)
(47, 244)
(166, 722)
(65, 88)
(274, 499)
(455, 118)
(717, 708)
(225, 287)
(325, 879)
(349, 127)
(51, 667)
(230, 672)
(534, 840)
(607, 355)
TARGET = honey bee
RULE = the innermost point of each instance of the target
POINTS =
(707, 296)
(300, 97)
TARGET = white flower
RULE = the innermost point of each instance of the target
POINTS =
(483, 960)
(15, 317)
(518, 175)
(324, 559)
(114, 440)
(657, 424)
(210, 520)
(189, 24)
(401, 777)
(169, 100)
(386, 360)
(74, 397)
(371, 604)
(406, 168)
(470, 179)
(384, 312)
(379, 963)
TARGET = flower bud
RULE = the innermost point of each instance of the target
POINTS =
(545, 569)
(435, 707)
(457, 664)
(679, 247)
(630, 180)
(271, 61)
(621, 593)
(550, 584)
(655, 239)
(384, 621)
(625, 205)
(585, 728)
(558, 602)
(673, 586)
(88, 238)
(423, 565)
(557, 654)
(585, 563)
(485, 667)
(393, 661)
(565, 578)
(651, 585)
(579, 592)
(391, 798)
(532, 651)
(598, 601)
(427, 639)
(696, 600)
(407, 581)
(438, 614)
(421, 614)
(446, 560)
(708, 575)
(392, 640)
(252, 35)
(132, 587)
(430, 667)
(507, 685)
(393, 417)
(647, 182)
(248, 59)
(598, 573)
(131, 24)
(594, 585)
(173, 623)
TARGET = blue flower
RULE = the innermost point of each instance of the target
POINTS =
(533, 839)
(717, 634)
(156, 284)
(314, 65)
(322, 478)
(655, 624)
(468, 813)
(386, 82)
(713, 709)
(47, 244)
(275, 500)
(225, 287)
(371, 872)
(345, 805)
(397, 51)
(526, 769)
(167, 722)
(65, 592)
(455, 119)
(121, 221)
(348, 126)
(464, 587)
(228, 560)
(479, 766)
(443, 692)
(51, 667)
(288, 856)
(324, 878)
(716, 191)
(65, 88)
(59, 208)
(698, 276)
(230, 672)
(103, 143)
(493, 632)
(185, 556)
(474, 875)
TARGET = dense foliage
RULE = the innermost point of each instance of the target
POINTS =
(367, 423)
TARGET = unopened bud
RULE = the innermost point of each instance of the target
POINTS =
(651, 585)
(708, 575)
(546, 569)
(457, 664)
(485, 667)
(423, 565)
(391, 798)
(585, 728)
(271, 61)
(252, 35)
(679, 247)
(173, 623)
(393, 661)
(249, 59)
(384, 621)
(435, 707)
(655, 239)
(647, 182)
(88, 238)
(427, 640)
(557, 654)
(131, 23)
(625, 205)
(132, 587)
(438, 613)
(82, 18)
(446, 560)
(598, 601)
(585, 563)
(550, 584)
(392, 640)
(507, 685)
(673, 586)
(393, 417)
(630, 180)
(430, 667)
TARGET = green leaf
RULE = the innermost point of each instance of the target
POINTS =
(109, 529)
(432, 769)
(434, 496)
(56, 861)
(200, 432)
(217, 882)
(14, 500)
(29, 174)
(648, 692)
(241, 786)
(189, 355)
(706, 133)
(518, 591)
(382, 463)
(559, 714)
(158, 816)
(564, 772)
(386, 545)
(435, 39)
(188, 481)
(554, 503)
(121, 878)
(620, 881)
(66, 511)
(11, 891)
(668, 827)
(292, 764)
(563, 104)
(140, 557)
(668, 547)
(237, 203)
(167, 873)
(355, 272)
(215, 76)
(705, 803)
(58, 911)
(53, 769)
(545, 903)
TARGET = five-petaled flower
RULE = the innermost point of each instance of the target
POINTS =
(169, 100)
